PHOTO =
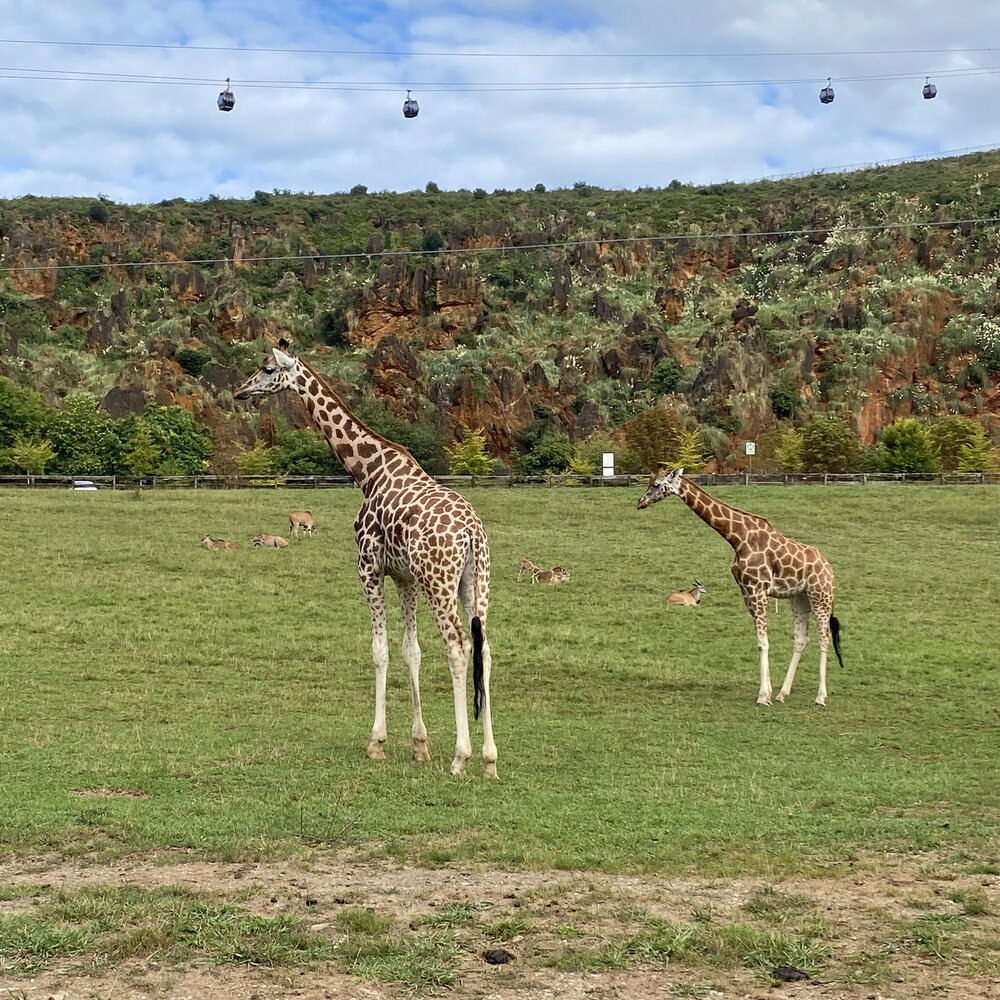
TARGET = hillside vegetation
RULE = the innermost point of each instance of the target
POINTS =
(664, 323)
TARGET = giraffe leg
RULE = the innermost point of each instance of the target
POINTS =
(823, 629)
(371, 580)
(489, 746)
(458, 649)
(756, 602)
(411, 657)
(800, 616)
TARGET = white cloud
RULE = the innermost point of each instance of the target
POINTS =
(142, 141)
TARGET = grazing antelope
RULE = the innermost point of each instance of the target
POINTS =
(767, 564)
(270, 541)
(301, 519)
(688, 597)
(525, 565)
(218, 544)
(553, 576)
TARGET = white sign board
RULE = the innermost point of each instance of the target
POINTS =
(609, 463)
(751, 448)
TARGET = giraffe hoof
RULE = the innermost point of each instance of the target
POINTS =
(820, 704)
(458, 766)
(779, 697)
(490, 769)
(375, 751)
(763, 702)
(420, 751)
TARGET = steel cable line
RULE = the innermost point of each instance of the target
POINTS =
(562, 245)
(375, 86)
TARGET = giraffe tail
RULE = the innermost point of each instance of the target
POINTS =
(477, 665)
(835, 634)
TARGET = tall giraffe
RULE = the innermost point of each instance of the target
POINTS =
(421, 535)
(767, 564)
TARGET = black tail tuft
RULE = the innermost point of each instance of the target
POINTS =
(477, 665)
(835, 632)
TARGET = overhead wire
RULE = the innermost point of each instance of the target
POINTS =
(560, 245)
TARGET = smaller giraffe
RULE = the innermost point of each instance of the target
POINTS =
(767, 564)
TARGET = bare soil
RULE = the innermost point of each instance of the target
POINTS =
(864, 906)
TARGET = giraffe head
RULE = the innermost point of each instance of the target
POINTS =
(274, 375)
(661, 484)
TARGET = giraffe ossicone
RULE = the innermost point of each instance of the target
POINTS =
(426, 538)
(767, 564)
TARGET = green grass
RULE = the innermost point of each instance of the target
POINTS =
(230, 694)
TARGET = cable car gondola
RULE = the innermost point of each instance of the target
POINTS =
(227, 101)
(826, 94)
(929, 91)
(410, 107)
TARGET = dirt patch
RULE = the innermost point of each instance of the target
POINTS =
(111, 793)
(901, 928)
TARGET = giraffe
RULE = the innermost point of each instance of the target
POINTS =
(767, 564)
(426, 538)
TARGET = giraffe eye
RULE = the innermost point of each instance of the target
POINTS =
(268, 370)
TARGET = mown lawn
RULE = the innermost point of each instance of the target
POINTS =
(231, 693)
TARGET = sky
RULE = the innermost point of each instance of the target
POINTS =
(119, 97)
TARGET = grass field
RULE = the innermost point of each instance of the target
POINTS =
(231, 693)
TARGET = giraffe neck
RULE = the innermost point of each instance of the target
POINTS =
(369, 458)
(733, 524)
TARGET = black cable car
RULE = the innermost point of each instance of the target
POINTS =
(227, 101)
(929, 91)
(410, 107)
(826, 94)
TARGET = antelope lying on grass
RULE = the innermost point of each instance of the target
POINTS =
(301, 519)
(688, 597)
(270, 541)
(525, 565)
(218, 544)
(553, 576)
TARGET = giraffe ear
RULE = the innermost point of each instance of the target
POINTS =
(283, 360)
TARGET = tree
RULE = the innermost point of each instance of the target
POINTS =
(32, 455)
(656, 436)
(305, 453)
(185, 447)
(665, 376)
(23, 413)
(550, 453)
(906, 448)
(77, 434)
(143, 457)
(978, 454)
(947, 437)
(193, 360)
(256, 461)
(689, 454)
(788, 451)
(829, 445)
(468, 457)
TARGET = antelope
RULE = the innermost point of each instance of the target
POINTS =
(218, 544)
(301, 519)
(270, 541)
(688, 597)
(525, 565)
(553, 576)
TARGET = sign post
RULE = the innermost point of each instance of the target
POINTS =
(751, 450)
(609, 463)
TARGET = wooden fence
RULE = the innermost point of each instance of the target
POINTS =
(466, 482)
